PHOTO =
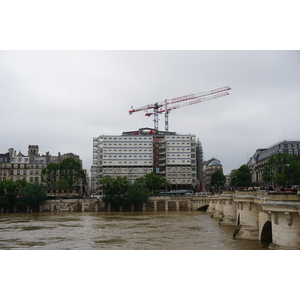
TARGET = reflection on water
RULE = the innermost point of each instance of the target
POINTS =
(170, 230)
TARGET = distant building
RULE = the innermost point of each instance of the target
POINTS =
(211, 166)
(261, 157)
(177, 157)
(4, 166)
(29, 167)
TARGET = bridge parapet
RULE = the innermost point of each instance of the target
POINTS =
(283, 197)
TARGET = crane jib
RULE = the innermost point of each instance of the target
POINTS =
(197, 98)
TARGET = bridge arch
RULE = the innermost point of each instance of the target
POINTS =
(266, 233)
(204, 207)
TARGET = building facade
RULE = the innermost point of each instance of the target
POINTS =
(211, 166)
(137, 153)
(260, 158)
(29, 167)
(4, 166)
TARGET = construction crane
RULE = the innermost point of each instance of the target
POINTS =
(197, 98)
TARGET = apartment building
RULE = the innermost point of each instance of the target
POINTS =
(29, 167)
(261, 157)
(137, 153)
(26, 167)
(4, 166)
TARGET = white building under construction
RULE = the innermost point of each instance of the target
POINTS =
(177, 157)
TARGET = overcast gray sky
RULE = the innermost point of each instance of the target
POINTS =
(60, 100)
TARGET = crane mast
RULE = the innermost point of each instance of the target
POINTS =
(160, 107)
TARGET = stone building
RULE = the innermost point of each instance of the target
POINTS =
(4, 166)
(137, 153)
(209, 167)
(261, 157)
(29, 167)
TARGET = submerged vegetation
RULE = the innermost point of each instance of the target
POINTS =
(120, 191)
(22, 194)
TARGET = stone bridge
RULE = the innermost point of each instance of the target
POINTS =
(269, 217)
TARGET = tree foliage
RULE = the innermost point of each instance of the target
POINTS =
(282, 169)
(71, 171)
(21, 193)
(218, 178)
(154, 182)
(64, 175)
(50, 174)
(241, 177)
(114, 190)
(33, 194)
(137, 193)
(119, 191)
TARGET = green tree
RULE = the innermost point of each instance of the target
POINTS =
(33, 194)
(4, 200)
(10, 192)
(137, 192)
(49, 175)
(282, 169)
(114, 190)
(280, 179)
(218, 178)
(241, 177)
(154, 182)
(61, 184)
(164, 183)
(71, 171)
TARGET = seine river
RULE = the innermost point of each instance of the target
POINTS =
(179, 230)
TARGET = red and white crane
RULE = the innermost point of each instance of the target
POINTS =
(197, 98)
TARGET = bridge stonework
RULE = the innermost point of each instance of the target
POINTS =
(269, 217)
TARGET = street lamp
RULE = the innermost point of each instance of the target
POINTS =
(288, 173)
(234, 181)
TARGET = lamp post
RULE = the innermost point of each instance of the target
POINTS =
(234, 181)
(288, 175)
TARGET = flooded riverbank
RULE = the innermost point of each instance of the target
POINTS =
(189, 230)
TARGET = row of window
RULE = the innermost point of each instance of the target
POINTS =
(125, 169)
(173, 149)
(181, 181)
(127, 150)
(127, 162)
(295, 151)
(128, 138)
(125, 156)
(31, 179)
(125, 173)
(177, 137)
(179, 155)
(178, 161)
(127, 145)
(21, 166)
(182, 143)
(19, 159)
(18, 172)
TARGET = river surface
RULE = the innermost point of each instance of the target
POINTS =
(168, 230)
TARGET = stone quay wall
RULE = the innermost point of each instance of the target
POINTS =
(164, 203)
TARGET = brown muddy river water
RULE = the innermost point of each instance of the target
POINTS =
(179, 230)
